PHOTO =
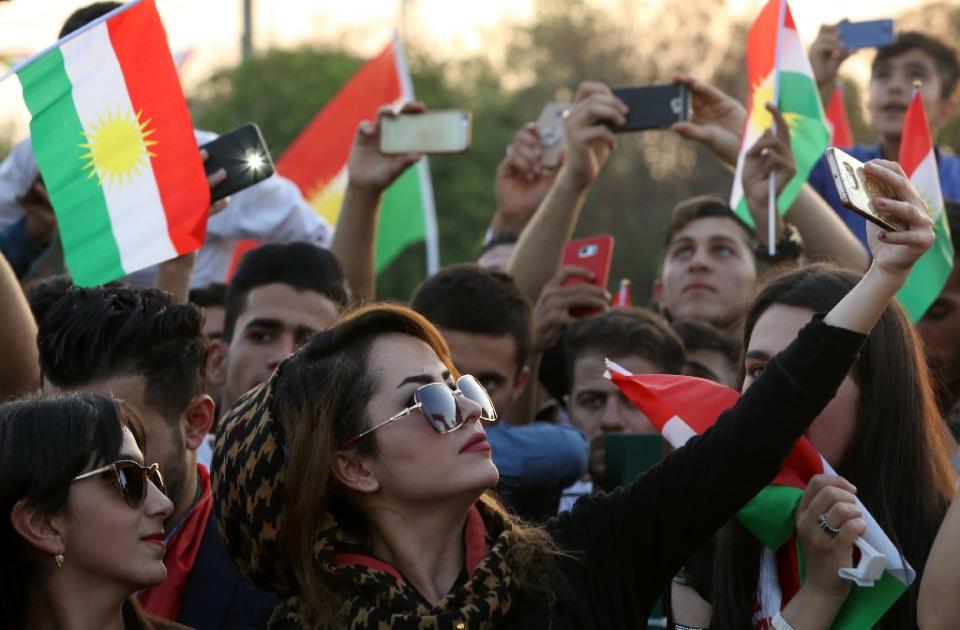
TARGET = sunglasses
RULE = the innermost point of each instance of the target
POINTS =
(438, 405)
(131, 479)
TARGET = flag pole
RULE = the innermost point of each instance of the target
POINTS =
(772, 190)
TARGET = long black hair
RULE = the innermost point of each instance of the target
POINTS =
(46, 441)
(897, 457)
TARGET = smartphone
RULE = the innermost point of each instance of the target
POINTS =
(593, 253)
(653, 106)
(244, 155)
(857, 192)
(550, 128)
(629, 455)
(441, 131)
(870, 34)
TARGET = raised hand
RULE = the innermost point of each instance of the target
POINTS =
(894, 253)
(370, 171)
(521, 181)
(826, 54)
(770, 155)
(551, 315)
(716, 119)
(588, 142)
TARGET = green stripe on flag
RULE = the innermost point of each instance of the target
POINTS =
(769, 515)
(401, 217)
(809, 136)
(865, 606)
(929, 274)
(56, 132)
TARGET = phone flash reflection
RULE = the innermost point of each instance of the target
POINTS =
(254, 161)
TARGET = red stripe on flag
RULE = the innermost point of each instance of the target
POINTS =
(322, 148)
(915, 144)
(837, 117)
(140, 44)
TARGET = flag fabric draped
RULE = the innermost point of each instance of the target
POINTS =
(114, 143)
(680, 407)
(317, 159)
(837, 121)
(919, 162)
(799, 101)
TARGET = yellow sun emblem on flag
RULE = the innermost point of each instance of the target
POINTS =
(760, 118)
(118, 146)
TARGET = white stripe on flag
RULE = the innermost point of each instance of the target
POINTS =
(677, 432)
(926, 179)
(136, 211)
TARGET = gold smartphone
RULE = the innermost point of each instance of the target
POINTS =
(550, 129)
(857, 191)
(441, 131)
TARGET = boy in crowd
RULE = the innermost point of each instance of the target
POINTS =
(486, 321)
(137, 345)
(637, 339)
(913, 57)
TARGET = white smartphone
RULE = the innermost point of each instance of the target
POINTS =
(550, 128)
(441, 131)
(857, 192)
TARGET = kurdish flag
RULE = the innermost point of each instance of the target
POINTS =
(114, 143)
(317, 159)
(683, 406)
(778, 72)
(919, 162)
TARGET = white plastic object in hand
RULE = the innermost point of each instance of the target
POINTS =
(869, 569)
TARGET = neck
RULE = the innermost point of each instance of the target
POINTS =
(74, 602)
(188, 493)
(424, 543)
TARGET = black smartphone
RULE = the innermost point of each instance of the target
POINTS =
(870, 34)
(653, 106)
(244, 155)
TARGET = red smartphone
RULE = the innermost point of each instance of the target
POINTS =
(593, 253)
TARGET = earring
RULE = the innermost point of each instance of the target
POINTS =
(59, 560)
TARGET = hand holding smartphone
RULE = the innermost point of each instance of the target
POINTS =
(243, 154)
(439, 131)
(593, 253)
(653, 106)
(858, 192)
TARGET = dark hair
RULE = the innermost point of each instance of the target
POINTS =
(952, 208)
(621, 332)
(944, 57)
(101, 332)
(699, 335)
(46, 441)
(471, 299)
(303, 266)
(214, 294)
(320, 400)
(703, 207)
(897, 458)
(84, 15)
(498, 239)
(45, 294)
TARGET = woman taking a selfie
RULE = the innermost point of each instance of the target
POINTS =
(82, 518)
(355, 483)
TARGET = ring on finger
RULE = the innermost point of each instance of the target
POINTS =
(826, 526)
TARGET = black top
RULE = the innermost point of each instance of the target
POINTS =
(634, 540)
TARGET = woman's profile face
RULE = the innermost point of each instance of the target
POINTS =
(833, 429)
(107, 539)
(415, 464)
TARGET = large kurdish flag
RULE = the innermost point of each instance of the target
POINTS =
(680, 407)
(919, 162)
(114, 142)
(317, 159)
(795, 92)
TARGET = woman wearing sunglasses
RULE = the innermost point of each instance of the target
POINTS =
(355, 483)
(81, 518)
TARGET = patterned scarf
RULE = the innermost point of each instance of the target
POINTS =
(249, 474)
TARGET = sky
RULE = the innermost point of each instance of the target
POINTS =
(211, 29)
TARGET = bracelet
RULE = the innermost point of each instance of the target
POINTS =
(779, 623)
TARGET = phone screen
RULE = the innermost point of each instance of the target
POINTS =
(653, 106)
(870, 34)
(243, 154)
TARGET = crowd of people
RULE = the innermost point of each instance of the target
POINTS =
(280, 449)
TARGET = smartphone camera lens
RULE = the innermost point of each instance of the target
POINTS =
(587, 251)
(852, 176)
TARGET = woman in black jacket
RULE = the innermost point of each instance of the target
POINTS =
(355, 482)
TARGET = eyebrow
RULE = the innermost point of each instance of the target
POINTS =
(423, 379)
(264, 322)
(757, 354)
